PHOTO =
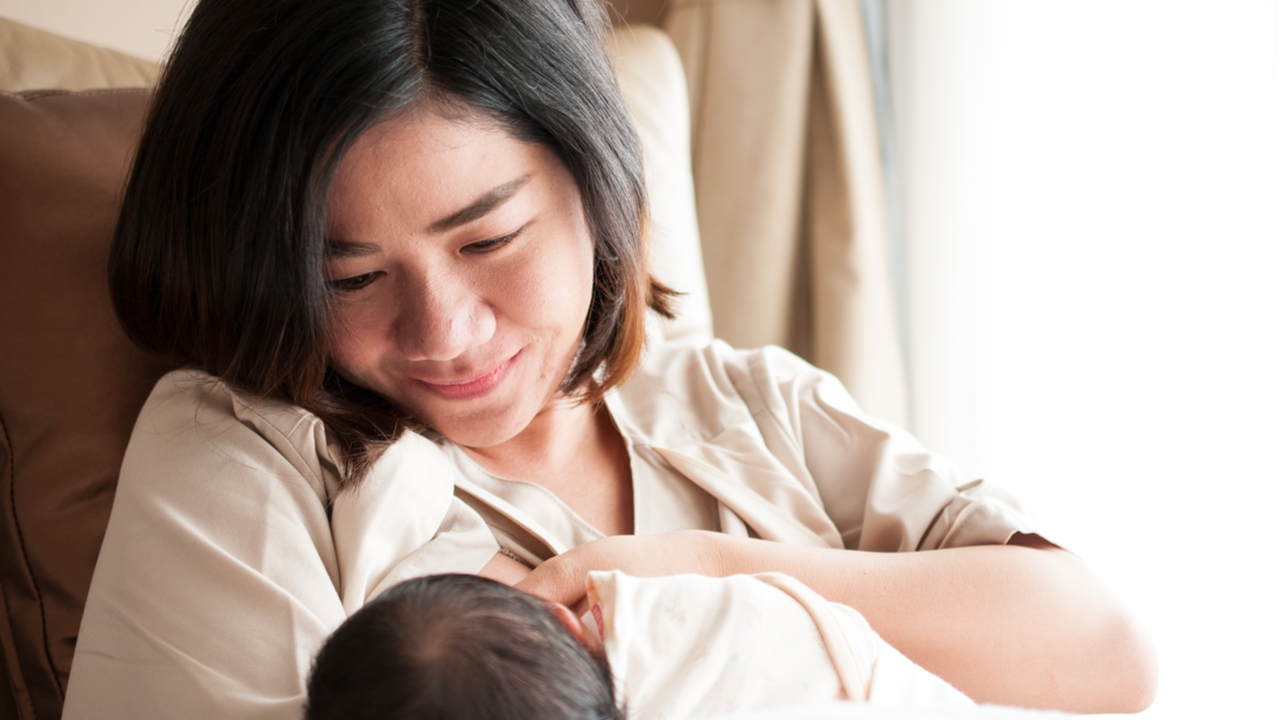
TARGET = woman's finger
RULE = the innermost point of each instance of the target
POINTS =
(563, 578)
(556, 581)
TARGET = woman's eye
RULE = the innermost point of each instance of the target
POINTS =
(355, 282)
(485, 246)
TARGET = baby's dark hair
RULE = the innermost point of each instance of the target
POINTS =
(460, 647)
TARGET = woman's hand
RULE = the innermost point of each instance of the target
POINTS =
(563, 578)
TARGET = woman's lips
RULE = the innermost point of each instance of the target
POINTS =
(469, 388)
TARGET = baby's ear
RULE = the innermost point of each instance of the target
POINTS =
(573, 625)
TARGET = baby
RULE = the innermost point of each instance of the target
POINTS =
(685, 646)
(461, 647)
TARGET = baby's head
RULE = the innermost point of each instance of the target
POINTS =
(463, 647)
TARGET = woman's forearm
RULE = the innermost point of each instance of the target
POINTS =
(1024, 626)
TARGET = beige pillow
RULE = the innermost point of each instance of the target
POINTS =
(652, 81)
(32, 59)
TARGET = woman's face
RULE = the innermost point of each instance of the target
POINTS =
(461, 265)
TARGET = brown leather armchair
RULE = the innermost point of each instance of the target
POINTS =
(70, 382)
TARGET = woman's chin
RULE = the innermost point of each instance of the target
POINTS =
(478, 438)
(479, 428)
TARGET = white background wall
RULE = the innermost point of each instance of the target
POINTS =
(1093, 254)
(1092, 192)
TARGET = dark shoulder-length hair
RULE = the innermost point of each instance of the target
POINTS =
(219, 251)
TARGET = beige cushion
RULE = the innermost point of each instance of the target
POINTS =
(32, 59)
(652, 81)
(71, 384)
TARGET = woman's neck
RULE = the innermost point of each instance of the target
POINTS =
(577, 453)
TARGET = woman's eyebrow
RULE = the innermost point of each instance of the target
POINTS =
(342, 249)
(485, 204)
(482, 206)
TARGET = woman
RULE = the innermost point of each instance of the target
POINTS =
(398, 244)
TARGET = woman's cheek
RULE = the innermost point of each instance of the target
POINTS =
(351, 344)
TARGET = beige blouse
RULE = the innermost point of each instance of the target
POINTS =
(230, 555)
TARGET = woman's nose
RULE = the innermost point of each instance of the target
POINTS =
(443, 316)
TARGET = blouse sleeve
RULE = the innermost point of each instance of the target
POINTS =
(882, 490)
(222, 570)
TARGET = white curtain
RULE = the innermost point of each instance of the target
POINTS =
(1092, 194)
